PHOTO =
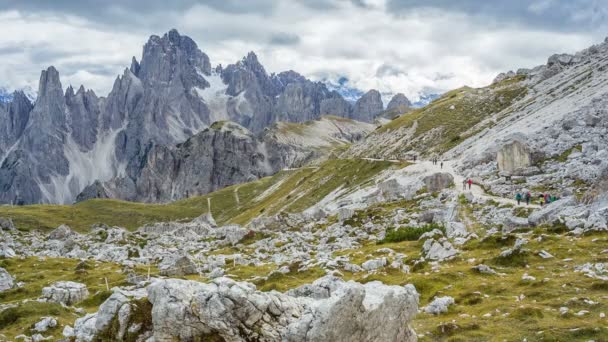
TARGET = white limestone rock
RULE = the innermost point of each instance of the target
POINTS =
(65, 292)
(439, 305)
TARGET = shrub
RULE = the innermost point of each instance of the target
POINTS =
(409, 233)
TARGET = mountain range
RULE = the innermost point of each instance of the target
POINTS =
(50, 151)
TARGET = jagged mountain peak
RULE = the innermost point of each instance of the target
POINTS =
(165, 58)
(49, 82)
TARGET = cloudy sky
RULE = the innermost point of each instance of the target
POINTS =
(408, 46)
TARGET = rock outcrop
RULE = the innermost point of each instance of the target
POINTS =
(327, 310)
(513, 156)
(65, 292)
(438, 181)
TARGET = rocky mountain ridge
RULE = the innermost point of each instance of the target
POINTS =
(53, 149)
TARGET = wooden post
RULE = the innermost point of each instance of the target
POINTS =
(107, 286)
(209, 205)
(148, 272)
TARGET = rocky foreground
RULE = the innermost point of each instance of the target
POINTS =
(327, 310)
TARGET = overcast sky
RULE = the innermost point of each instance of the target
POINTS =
(408, 46)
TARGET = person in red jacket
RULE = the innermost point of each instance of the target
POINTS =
(470, 183)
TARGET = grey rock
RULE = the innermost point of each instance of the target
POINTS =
(348, 311)
(177, 266)
(7, 281)
(399, 101)
(439, 250)
(368, 106)
(65, 292)
(438, 181)
(439, 305)
(374, 264)
(345, 214)
(61, 233)
(484, 269)
(45, 324)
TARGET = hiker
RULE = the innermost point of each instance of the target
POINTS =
(442, 164)
(470, 183)
(528, 196)
(547, 199)
(518, 198)
(541, 198)
(414, 158)
(464, 184)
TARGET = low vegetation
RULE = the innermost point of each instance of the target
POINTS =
(409, 233)
(290, 191)
(454, 116)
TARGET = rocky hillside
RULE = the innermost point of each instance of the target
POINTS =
(66, 141)
(227, 154)
(443, 124)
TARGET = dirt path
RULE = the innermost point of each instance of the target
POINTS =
(476, 190)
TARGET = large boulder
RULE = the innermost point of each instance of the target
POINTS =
(438, 250)
(177, 266)
(330, 309)
(7, 281)
(516, 158)
(62, 232)
(65, 292)
(552, 211)
(438, 181)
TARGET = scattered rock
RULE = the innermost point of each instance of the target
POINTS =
(439, 305)
(374, 264)
(61, 233)
(438, 250)
(45, 324)
(484, 269)
(180, 265)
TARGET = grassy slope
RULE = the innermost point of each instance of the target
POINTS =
(37, 273)
(298, 190)
(456, 112)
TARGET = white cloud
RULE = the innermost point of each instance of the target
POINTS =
(431, 48)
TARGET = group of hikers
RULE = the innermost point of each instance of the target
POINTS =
(465, 182)
(542, 198)
(435, 161)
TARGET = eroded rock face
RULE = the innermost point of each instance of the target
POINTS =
(513, 156)
(327, 310)
(438, 181)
